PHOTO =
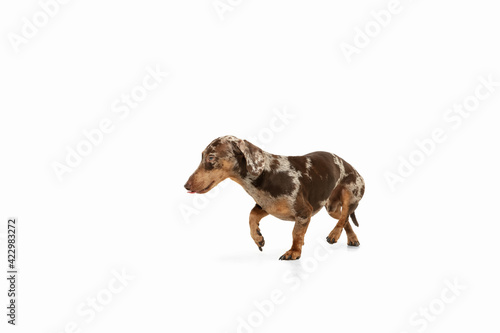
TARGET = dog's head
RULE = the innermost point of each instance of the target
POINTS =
(225, 157)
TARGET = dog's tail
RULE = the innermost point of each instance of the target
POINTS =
(354, 220)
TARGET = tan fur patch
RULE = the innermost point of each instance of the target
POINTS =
(281, 209)
(204, 180)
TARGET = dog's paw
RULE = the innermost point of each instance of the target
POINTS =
(291, 255)
(352, 240)
(261, 244)
(258, 239)
(334, 235)
(331, 240)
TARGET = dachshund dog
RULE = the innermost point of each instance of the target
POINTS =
(291, 188)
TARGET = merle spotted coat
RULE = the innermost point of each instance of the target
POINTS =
(291, 188)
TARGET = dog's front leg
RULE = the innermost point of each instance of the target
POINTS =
(302, 219)
(256, 215)
(299, 231)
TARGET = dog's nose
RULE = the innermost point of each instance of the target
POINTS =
(188, 185)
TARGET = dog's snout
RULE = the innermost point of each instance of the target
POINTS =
(188, 185)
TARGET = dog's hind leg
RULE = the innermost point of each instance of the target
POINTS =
(333, 204)
(256, 215)
(352, 239)
(347, 209)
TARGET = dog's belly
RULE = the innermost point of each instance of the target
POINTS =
(281, 208)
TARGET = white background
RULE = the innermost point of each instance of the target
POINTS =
(120, 208)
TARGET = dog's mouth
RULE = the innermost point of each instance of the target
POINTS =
(204, 190)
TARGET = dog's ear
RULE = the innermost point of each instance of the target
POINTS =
(254, 157)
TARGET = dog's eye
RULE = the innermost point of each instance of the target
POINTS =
(211, 158)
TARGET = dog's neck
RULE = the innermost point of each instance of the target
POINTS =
(248, 181)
